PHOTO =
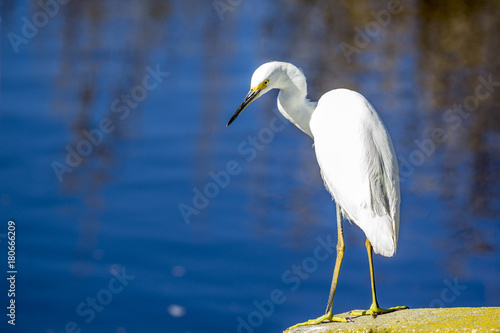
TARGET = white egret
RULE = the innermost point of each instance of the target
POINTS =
(356, 158)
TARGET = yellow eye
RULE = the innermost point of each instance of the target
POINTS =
(266, 82)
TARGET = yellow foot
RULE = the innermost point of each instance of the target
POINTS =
(325, 317)
(375, 310)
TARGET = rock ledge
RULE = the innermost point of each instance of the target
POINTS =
(486, 319)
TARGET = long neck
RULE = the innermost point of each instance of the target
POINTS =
(295, 107)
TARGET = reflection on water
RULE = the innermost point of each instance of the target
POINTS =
(427, 67)
(460, 58)
(97, 66)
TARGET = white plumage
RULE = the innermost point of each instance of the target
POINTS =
(356, 158)
(358, 165)
(353, 149)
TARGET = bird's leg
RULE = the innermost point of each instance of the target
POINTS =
(338, 262)
(328, 316)
(374, 308)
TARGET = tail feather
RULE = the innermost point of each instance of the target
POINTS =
(378, 230)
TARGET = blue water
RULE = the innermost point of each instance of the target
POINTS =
(102, 245)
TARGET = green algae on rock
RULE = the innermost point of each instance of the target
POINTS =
(476, 320)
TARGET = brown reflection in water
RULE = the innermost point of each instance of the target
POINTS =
(215, 50)
(106, 46)
(458, 44)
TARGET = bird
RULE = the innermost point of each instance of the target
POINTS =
(357, 163)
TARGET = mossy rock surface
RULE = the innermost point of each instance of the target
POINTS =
(486, 319)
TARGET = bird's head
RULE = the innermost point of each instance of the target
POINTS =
(268, 76)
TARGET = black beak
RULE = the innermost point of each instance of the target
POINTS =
(252, 94)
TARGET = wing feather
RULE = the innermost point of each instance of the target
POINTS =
(358, 165)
